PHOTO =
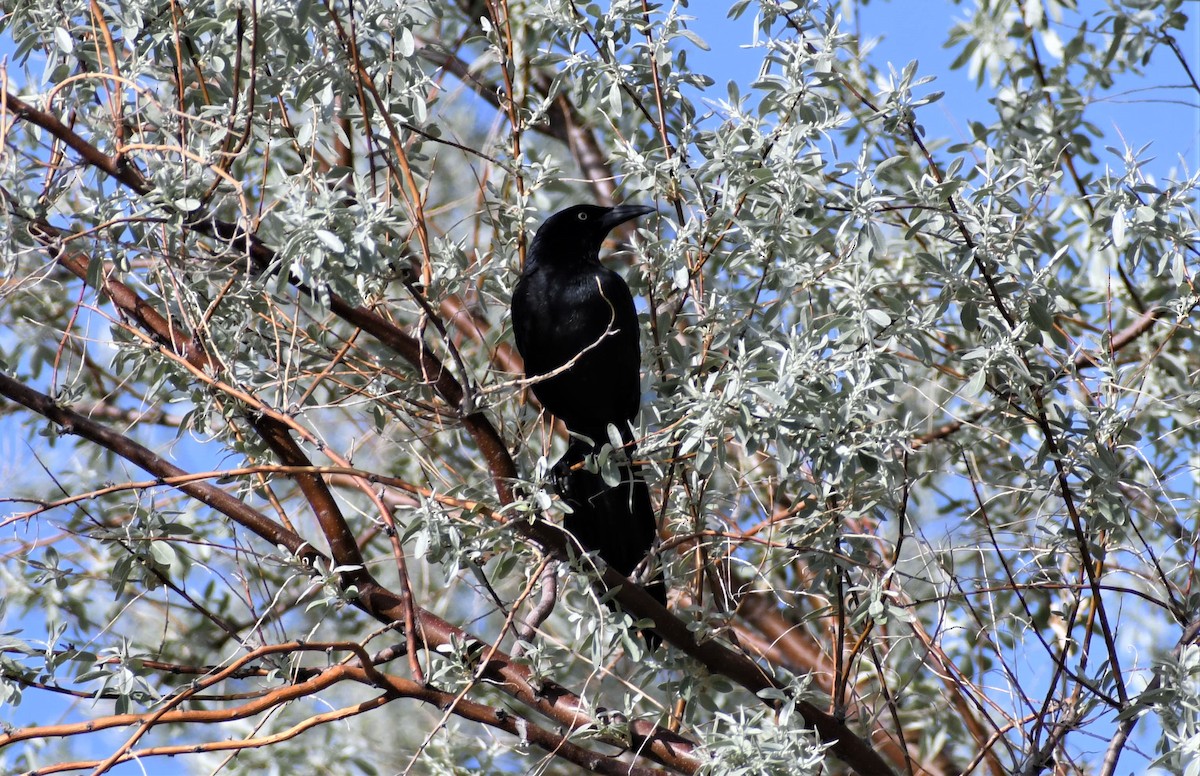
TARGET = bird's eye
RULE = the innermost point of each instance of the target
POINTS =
(583, 216)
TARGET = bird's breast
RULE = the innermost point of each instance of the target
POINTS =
(568, 312)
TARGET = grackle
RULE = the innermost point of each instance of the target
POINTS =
(576, 328)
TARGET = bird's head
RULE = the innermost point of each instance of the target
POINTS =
(577, 232)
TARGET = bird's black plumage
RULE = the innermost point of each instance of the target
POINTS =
(569, 308)
(615, 521)
(574, 320)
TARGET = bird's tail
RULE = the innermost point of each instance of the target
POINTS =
(615, 521)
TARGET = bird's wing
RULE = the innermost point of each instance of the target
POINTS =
(624, 349)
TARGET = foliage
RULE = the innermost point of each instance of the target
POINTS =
(920, 416)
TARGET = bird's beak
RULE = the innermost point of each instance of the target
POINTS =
(623, 213)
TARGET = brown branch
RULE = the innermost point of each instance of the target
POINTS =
(548, 698)
(525, 630)
(550, 742)
(71, 422)
(554, 743)
(166, 715)
(220, 746)
(342, 544)
(364, 673)
(115, 166)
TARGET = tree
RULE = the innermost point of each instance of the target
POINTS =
(920, 418)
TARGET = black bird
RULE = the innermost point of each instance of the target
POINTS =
(573, 314)
(567, 305)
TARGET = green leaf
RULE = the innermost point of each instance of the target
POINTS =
(976, 384)
(63, 40)
(331, 241)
